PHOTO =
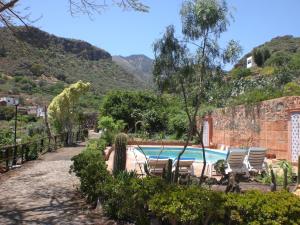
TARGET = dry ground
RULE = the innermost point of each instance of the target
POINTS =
(43, 192)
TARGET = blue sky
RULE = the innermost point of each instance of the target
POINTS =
(128, 32)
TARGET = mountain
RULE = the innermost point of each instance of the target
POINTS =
(139, 65)
(35, 63)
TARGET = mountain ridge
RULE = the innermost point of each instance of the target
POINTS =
(31, 58)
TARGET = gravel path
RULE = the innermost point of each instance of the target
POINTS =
(43, 192)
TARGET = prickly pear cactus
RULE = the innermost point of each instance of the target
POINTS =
(120, 153)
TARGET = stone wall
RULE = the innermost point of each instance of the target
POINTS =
(266, 124)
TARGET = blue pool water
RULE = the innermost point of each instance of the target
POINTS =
(190, 152)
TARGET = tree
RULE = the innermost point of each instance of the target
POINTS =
(9, 14)
(63, 110)
(178, 69)
(260, 56)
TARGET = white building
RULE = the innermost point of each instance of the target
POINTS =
(10, 100)
(37, 111)
(250, 62)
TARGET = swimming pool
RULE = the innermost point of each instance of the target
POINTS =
(190, 152)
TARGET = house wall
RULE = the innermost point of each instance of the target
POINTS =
(266, 124)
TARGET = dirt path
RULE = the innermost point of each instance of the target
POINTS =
(43, 192)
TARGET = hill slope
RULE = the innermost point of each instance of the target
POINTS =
(38, 59)
(139, 65)
(283, 44)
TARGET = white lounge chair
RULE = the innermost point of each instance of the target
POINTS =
(185, 166)
(255, 159)
(157, 164)
(235, 161)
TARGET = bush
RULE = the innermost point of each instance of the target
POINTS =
(37, 69)
(90, 167)
(268, 71)
(238, 73)
(189, 205)
(7, 113)
(6, 137)
(178, 125)
(279, 59)
(291, 89)
(256, 207)
(126, 197)
(110, 128)
(260, 56)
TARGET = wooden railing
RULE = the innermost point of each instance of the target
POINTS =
(18, 154)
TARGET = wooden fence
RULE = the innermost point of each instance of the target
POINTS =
(20, 153)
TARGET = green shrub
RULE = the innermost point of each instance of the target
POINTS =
(260, 56)
(238, 73)
(279, 59)
(126, 197)
(90, 167)
(188, 205)
(291, 88)
(37, 69)
(178, 125)
(7, 113)
(268, 71)
(6, 137)
(256, 207)
(110, 128)
(118, 201)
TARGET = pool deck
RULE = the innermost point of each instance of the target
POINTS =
(135, 160)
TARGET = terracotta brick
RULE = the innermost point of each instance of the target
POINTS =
(266, 127)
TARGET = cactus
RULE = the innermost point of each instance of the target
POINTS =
(120, 153)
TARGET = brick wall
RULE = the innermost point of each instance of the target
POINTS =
(266, 124)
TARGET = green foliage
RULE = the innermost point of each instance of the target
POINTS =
(177, 124)
(188, 205)
(220, 166)
(90, 167)
(279, 59)
(120, 153)
(129, 106)
(238, 73)
(256, 207)
(295, 62)
(37, 69)
(36, 128)
(266, 178)
(256, 95)
(126, 197)
(144, 111)
(62, 111)
(110, 128)
(6, 137)
(291, 89)
(261, 55)
(268, 71)
(34, 53)
(7, 113)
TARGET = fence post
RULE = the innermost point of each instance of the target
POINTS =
(55, 142)
(42, 145)
(26, 151)
(7, 159)
(22, 153)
